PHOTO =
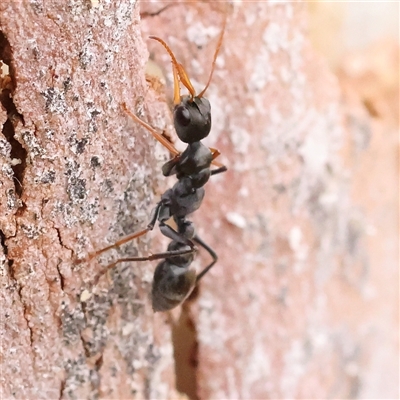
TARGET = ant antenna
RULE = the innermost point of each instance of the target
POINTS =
(179, 71)
(221, 36)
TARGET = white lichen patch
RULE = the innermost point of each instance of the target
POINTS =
(85, 295)
(244, 191)
(35, 149)
(5, 148)
(201, 35)
(12, 199)
(241, 140)
(294, 369)
(275, 37)
(316, 147)
(55, 100)
(32, 231)
(3, 264)
(236, 219)
(7, 172)
(262, 72)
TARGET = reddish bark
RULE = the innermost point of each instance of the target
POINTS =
(302, 302)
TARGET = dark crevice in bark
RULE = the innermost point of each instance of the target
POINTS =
(16, 285)
(61, 276)
(7, 87)
(184, 339)
(62, 388)
(27, 321)
(10, 262)
(3, 245)
(61, 241)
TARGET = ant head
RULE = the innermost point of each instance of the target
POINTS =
(192, 119)
(192, 114)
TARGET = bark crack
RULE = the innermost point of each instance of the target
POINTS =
(146, 14)
(7, 88)
(17, 286)
(61, 241)
(4, 246)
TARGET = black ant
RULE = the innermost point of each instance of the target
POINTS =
(174, 277)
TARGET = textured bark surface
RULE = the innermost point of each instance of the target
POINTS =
(303, 302)
(88, 176)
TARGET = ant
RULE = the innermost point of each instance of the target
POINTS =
(174, 277)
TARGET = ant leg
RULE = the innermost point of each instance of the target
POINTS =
(219, 170)
(172, 234)
(212, 253)
(128, 238)
(167, 231)
(155, 134)
(216, 153)
(151, 257)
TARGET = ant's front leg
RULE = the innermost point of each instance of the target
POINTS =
(169, 168)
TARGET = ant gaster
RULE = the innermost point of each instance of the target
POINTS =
(175, 277)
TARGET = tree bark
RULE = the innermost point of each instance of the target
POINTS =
(287, 312)
(76, 175)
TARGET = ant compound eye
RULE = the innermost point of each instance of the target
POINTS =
(182, 116)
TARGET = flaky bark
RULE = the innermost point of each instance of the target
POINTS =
(76, 175)
(301, 303)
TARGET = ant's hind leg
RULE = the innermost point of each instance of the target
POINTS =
(151, 257)
(212, 253)
(168, 232)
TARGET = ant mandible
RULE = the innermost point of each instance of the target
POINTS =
(175, 277)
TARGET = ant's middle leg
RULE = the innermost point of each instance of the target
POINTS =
(153, 218)
(151, 257)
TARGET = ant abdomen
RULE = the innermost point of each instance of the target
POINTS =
(171, 285)
(174, 279)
